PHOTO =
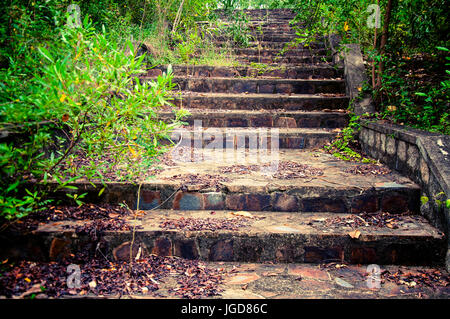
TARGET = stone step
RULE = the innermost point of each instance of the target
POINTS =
(269, 26)
(261, 17)
(274, 52)
(273, 45)
(251, 138)
(275, 61)
(287, 60)
(318, 71)
(239, 280)
(262, 38)
(261, 237)
(265, 18)
(229, 101)
(253, 85)
(281, 25)
(262, 12)
(245, 118)
(269, 33)
(286, 180)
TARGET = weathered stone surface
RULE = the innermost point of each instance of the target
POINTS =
(267, 88)
(254, 101)
(128, 251)
(236, 202)
(285, 203)
(371, 138)
(318, 255)
(242, 279)
(288, 138)
(401, 151)
(257, 202)
(364, 135)
(424, 171)
(252, 202)
(413, 158)
(394, 202)
(153, 72)
(186, 249)
(214, 200)
(323, 205)
(286, 122)
(383, 143)
(355, 77)
(162, 246)
(188, 201)
(266, 121)
(367, 204)
(284, 237)
(360, 255)
(390, 146)
(288, 253)
(307, 271)
(149, 199)
(293, 72)
(222, 251)
(59, 248)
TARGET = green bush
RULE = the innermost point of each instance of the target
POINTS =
(77, 110)
(416, 91)
(409, 85)
(237, 29)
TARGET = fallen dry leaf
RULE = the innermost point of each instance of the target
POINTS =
(242, 213)
(355, 234)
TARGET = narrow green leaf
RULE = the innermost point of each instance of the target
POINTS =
(101, 191)
(12, 186)
(44, 52)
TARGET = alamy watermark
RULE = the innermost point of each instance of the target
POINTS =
(228, 145)
(373, 21)
(373, 280)
(74, 18)
(74, 278)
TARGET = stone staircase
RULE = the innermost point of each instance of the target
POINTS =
(301, 96)
(290, 202)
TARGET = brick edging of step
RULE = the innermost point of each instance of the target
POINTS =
(389, 197)
(262, 241)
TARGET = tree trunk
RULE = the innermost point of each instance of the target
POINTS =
(175, 23)
(384, 39)
(374, 50)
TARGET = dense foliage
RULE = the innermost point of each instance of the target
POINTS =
(71, 106)
(408, 53)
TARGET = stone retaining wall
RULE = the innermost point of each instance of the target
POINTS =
(420, 155)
